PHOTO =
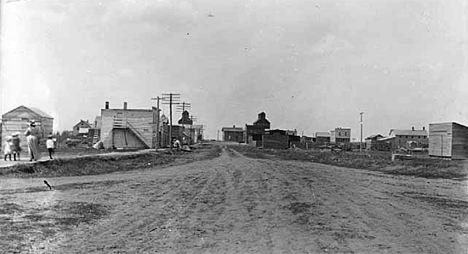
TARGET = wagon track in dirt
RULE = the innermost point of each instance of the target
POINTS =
(234, 204)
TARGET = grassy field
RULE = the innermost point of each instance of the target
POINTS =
(375, 161)
(93, 165)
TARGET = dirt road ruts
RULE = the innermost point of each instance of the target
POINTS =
(234, 204)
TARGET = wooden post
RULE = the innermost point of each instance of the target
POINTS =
(170, 126)
(157, 122)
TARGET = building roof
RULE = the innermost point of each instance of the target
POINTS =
(322, 134)
(375, 136)
(232, 129)
(40, 112)
(85, 122)
(394, 132)
(34, 110)
(385, 138)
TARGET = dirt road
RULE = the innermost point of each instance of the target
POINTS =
(234, 204)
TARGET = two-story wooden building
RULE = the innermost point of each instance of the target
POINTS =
(127, 128)
(340, 135)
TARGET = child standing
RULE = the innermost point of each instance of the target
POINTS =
(7, 150)
(50, 146)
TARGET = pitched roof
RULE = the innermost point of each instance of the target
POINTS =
(40, 112)
(408, 132)
(34, 110)
(85, 122)
(375, 136)
(385, 138)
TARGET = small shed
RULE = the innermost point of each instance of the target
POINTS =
(448, 140)
(372, 142)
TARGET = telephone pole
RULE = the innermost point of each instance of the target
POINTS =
(157, 122)
(360, 144)
(183, 106)
(170, 99)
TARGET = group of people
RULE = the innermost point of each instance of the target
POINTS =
(13, 146)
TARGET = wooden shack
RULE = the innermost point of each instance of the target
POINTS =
(18, 120)
(448, 140)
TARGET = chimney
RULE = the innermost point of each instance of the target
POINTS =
(412, 128)
(125, 105)
(107, 105)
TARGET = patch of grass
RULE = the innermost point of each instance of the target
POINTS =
(375, 161)
(107, 164)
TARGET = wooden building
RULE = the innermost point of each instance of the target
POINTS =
(254, 132)
(18, 120)
(127, 128)
(322, 138)
(81, 128)
(340, 135)
(234, 134)
(448, 140)
(275, 139)
(372, 142)
(402, 138)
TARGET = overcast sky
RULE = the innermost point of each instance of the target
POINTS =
(310, 65)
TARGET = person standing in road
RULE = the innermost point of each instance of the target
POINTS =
(33, 142)
(50, 146)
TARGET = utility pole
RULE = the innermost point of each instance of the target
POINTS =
(360, 144)
(157, 122)
(192, 129)
(217, 137)
(172, 98)
(183, 106)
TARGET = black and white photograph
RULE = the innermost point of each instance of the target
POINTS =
(234, 126)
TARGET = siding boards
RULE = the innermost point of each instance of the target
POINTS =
(142, 121)
(448, 140)
(275, 141)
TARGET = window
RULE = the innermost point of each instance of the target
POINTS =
(339, 133)
(346, 134)
(411, 136)
(145, 130)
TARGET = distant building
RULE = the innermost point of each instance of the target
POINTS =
(372, 142)
(81, 128)
(185, 120)
(322, 138)
(18, 120)
(254, 132)
(340, 135)
(127, 128)
(448, 140)
(275, 139)
(235, 134)
(402, 138)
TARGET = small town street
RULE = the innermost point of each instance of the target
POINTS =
(235, 204)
